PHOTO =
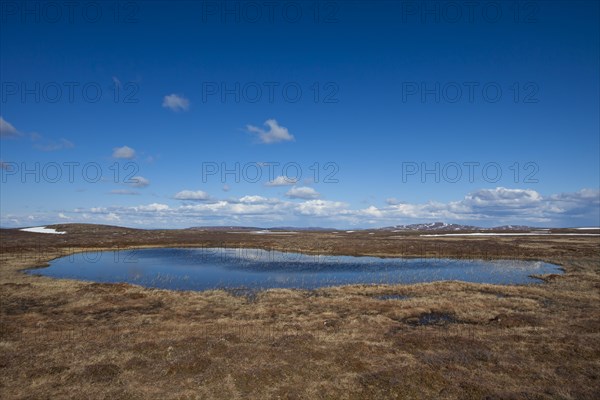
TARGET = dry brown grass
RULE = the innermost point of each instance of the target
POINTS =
(71, 339)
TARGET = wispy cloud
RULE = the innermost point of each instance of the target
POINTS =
(124, 192)
(51, 145)
(125, 152)
(176, 103)
(302, 192)
(139, 182)
(7, 130)
(274, 134)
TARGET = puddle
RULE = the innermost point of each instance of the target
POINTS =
(433, 318)
(249, 270)
(391, 297)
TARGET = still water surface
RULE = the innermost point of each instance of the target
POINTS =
(220, 268)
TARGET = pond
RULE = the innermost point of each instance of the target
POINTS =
(227, 268)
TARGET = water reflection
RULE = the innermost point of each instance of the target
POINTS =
(213, 268)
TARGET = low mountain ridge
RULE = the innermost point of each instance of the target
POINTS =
(442, 226)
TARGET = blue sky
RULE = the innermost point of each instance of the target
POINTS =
(498, 100)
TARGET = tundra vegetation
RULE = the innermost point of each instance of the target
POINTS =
(72, 339)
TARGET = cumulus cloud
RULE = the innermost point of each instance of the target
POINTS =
(503, 198)
(485, 207)
(7, 130)
(282, 181)
(302, 192)
(321, 208)
(502, 205)
(112, 217)
(139, 182)
(253, 199)
(197, 195)
(154, 207)
(125, 152)
(176, 103)
(274, 134)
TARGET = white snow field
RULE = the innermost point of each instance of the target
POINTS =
(514, 234)
(42, 229)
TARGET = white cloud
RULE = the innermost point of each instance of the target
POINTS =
(302, 192)
(373, 211)
(175, 102)
(392, 201)
(321, 208)
(154, 207)
(501, 205)
(112, 217)
(63, 216)
(485, 207)
(282, 181)
(7, 130)
(139, 182)
(583, 195)
(124, 192)
(123, 152)
(502, 197)
(276, 133)
(257, 200)
(253, 199)
(197, 195)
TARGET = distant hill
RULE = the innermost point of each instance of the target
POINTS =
(295, 228)
(76, 228)
(223, 228)
(256, 228)
(430, 226)
(442, 226)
